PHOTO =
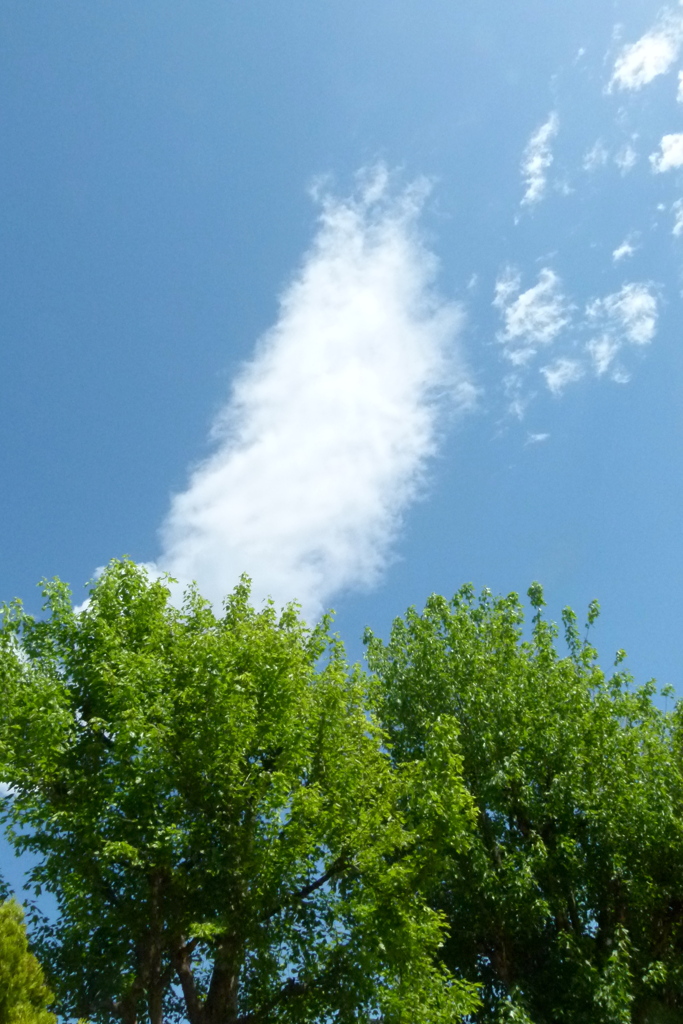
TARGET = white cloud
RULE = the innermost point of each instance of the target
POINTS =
(536, 438)
(328, 428)
(623, 251)
(532, 318)
(562, 372)
(630, 314)
(518, 398)
(507, 286)
(620, 376)
(537, 160)
(679, 93)
(671, 155)
(677, 210)
(542, 318)
(597, 156)
(626, 158)
(602, 351)
(651, 55)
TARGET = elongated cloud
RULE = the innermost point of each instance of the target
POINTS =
(324, 440)
(651, 55)
(537, 160)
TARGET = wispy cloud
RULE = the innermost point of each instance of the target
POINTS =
(561, 372)
(628, 316)
(517, 394)
(626, 158)
(631, 312)
(597, 156)
(537, 160)
(533, 318)
(544, 333)
(670, 155)
(325, 437)
(651, 55)
(677, 210)
(602, 350)
(623, 251)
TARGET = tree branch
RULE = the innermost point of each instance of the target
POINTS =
(337, 868)
(289, 990)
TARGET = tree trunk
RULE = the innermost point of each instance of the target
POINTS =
(222, 1001)
(183, 965)
(154, 952)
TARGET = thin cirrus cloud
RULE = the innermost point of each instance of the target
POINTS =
(325, 437)
(537, 160)
(650, 56)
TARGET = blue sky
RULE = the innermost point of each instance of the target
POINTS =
(366, 299)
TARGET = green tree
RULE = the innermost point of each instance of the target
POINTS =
(568, 905)
(24, 996)
(217, 816)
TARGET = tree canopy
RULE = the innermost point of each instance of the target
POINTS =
(239, 828)
(213, 806)
(567, 907)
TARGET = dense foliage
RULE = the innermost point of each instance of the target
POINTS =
(568, 905)
(214, 811)
(238, 828)
(24, 996)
